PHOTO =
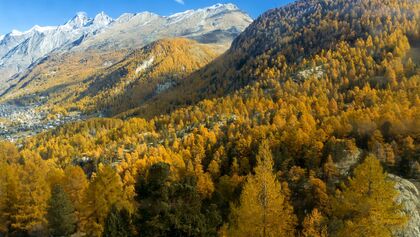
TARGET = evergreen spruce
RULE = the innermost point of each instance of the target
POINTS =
(61, 213)
(118, 223)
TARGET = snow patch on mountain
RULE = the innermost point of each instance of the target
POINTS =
(173, 19)
(80, 20)
(227, 6)
(203, 13)
(146, 64)
(41, 29)
(125, 17)
(15, 33)
(102, 19)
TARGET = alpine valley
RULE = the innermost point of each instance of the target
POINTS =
(302, 122)
(46, 69)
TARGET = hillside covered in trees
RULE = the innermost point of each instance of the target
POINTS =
(111, 82)
(281, 43)
(292, 132)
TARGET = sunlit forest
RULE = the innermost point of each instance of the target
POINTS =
(302, 128)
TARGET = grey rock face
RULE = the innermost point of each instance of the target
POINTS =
(345, 165)
(409, 194)
(409, 197)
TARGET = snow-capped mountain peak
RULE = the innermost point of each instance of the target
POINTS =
(34, 29)
(215, 8)
(227, 6)
(19, 50)
(15, 33)
(141, 18)
(102, 19)
(203, 12)
(125, 17)
(80, 20)
(41, 28)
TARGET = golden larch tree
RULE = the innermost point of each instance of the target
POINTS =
(264, 206)
(104, 191)
(367, 205)
(314, 225)
(33, 194)
(9, 185)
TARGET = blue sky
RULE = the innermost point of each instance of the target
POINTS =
(23, 14)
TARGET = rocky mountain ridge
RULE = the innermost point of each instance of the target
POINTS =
(218, 24)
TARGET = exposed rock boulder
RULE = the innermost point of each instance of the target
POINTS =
(345, 155)
(344, 166)
(409, 194)
(409, 197)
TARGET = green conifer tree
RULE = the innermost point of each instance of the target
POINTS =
(117, 223)
(61, 213)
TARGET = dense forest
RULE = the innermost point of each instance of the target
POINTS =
(279, 44)
(142, 75)
(292, 132)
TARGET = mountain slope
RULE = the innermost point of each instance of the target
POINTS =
(59, 74)
(18, 50)
(313, 116)
(276, 43)
(144, 74)
(111, 83)
(218, 24)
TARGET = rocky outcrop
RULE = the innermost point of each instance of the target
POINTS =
(344, 166)
(409, 194)
(345, 155)
(409, 197)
